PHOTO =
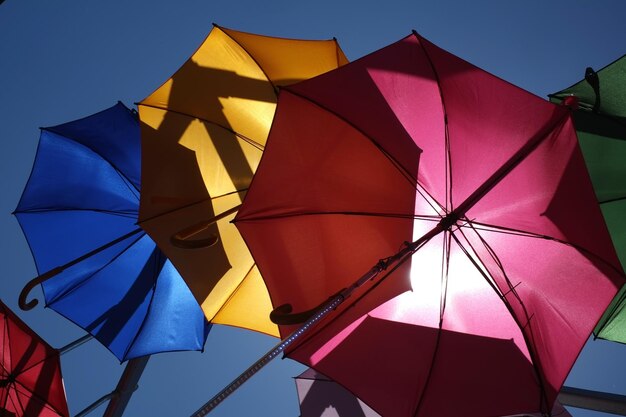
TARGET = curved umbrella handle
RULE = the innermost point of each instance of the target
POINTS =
(55, 271)
(32, 284)
(182, 238)
(594, 81)
(282, 315)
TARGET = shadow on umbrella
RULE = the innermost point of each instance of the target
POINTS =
(110, 323)
(320, 396)
(167, 138)
(30, 375)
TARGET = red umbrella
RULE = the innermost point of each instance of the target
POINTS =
(508, 264)
(30, 372)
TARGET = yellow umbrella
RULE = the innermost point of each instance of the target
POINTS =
(203, 133)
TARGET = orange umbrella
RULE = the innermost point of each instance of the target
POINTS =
(203, 133)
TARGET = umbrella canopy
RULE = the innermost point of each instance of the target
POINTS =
(600, 122)
(320, 396)
(79, 213)
(203, 134)
(506, 263)
(30, 372)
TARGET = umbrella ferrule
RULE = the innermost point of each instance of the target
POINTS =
(449, 220)
(8, 380)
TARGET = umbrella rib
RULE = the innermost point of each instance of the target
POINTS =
(244, 138)
(143, 321)
(179, 208)
(17, 403)
(558, 95)
(7, 343)
(232, 294)
(6, 398)
(528, 338)
(128, 214)
(44, 402)
(500, 229)
(445, 262)
(405, 257)
(615, 306)
(345, 213)
(269, 80)
(88, 277)
(403, 171)
(448, 153)
(612, 200)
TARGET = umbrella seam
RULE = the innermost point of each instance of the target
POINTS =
(208, 199)
(153, 260)
(448, 153)
(403, 171)
(529, 339)
(505, 230)
(274, 87)
(244, 138)
(129, 214)
(77, 285)
(232, 294)
(77, 142)
(333, 213)
(442, 302)
(44, 403)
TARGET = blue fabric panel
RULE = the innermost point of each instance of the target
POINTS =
(113, 134)
(67, 175)
(83, 193)
(57, 237)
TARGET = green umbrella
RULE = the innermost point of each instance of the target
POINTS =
(599, 103)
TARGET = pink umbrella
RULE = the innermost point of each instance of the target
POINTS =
(509, 264)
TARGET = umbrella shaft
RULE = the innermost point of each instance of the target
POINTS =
(331, 305)
(272, 354)
(75, 344)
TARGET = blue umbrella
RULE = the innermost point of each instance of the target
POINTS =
(79, 214)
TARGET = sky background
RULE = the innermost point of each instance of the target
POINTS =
(65, 59)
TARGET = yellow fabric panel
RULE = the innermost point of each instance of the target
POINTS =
(221, 84)
(286, 61)
(205, 161)
(246, 304)
(215, 274)
(203, 133)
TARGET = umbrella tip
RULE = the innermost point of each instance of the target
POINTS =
(571, 102)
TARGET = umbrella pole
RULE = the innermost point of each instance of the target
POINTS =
(119, 398)
(328, 307)
(593, 400)
(75, 344)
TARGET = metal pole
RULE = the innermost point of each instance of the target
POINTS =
(120, 396)
(331, 305)
(75, 344)
(593, 400)
(126, 386)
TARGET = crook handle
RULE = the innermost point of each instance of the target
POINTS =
(282, 315)
(183, 240)
(24, 305)
(55, 271)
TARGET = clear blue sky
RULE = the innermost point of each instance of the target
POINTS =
(62, 60)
